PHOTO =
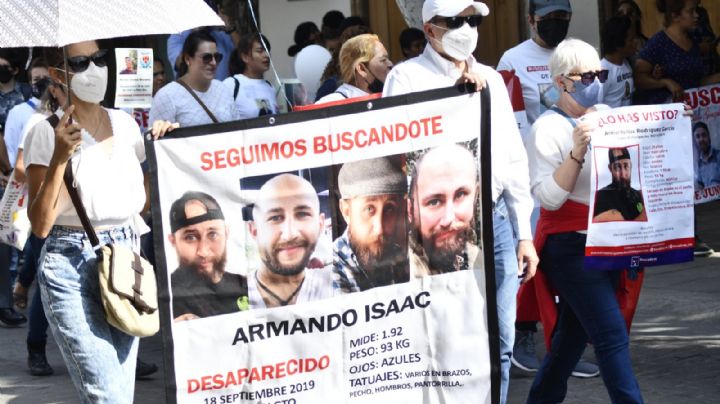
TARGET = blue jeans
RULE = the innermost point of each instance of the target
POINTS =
(506, 286)
(100, 358)
(588, 309)
(37, 322)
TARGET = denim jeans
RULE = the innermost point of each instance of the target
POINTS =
(506, 286)
(37, 322)
(588, 309)
(100, 358)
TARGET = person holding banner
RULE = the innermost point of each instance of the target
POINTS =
(372, 251)
(200, 285)
(105, 149)
(708, 171)
(451, 29)
(443, 194)
(364, 65)
(195, 98)
(287, 225)
(589, 310)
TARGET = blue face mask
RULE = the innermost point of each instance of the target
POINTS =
(586, 95)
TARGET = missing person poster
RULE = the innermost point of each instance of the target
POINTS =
(134, 77)
(328, 256)
(641, 199)
(705, 102)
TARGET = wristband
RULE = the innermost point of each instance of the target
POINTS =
(580, 162)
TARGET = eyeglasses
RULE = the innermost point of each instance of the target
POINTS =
(208, 57)
(588, 77)
(457, 22)
(79, 64)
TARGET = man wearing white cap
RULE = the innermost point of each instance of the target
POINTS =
(451, 29)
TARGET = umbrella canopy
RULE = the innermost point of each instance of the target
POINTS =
(25, 23)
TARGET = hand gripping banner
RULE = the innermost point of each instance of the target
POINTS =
(337, 255)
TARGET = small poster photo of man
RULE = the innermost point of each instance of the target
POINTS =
(289, 238)
(131, 63)
(371, 250)
(444, 210)
(619, 195)
(201, 287)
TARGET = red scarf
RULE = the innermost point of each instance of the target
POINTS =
(536, 298)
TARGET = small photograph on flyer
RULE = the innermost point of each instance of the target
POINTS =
(618, 188)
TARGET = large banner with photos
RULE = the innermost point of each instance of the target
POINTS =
(641, 192)
(338, 255)
(705, 102)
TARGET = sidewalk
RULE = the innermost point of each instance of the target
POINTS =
(675, 344)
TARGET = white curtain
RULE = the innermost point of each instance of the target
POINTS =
(411, 11)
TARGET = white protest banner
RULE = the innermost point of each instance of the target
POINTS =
(705, 102)
(303, 258)
(641, 211)
(133, 88)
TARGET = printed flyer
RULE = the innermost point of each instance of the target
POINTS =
(641, 211)
(333, 255)
(705, 102)
(134, 78)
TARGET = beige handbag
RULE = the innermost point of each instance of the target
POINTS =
(128, 287)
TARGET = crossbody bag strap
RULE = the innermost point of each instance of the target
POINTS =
(202, 104)
(79, 207)
(568, 117)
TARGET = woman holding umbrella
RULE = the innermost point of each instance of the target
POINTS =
(104, 148)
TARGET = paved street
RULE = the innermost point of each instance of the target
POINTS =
(675, 343)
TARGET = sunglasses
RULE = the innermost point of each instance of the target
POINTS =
(208, 57)
(457, 22)
(79, 64)
(588, 77)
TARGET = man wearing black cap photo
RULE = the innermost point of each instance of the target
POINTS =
(618, 201)
(372, 251)
(443, 197)
(287, 225)
(200, 285)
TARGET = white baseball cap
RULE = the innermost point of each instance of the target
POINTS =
(451, 8)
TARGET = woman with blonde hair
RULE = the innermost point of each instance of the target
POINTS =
(364, 65)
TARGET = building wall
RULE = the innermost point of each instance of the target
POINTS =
(279, 18)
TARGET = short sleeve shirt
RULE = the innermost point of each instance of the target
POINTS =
(684, 67)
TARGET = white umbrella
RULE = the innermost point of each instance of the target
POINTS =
(61, 22)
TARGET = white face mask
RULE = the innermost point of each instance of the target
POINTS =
(91, 84)
(459, 43)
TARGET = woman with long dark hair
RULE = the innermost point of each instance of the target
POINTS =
(196, 98)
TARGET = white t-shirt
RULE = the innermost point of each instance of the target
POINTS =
(510, 176)
(316, 286)
(16, 125)
(344, 92)
(175, 104)
(256, 97)
(548, 146)
(531, 64)
(620, 86)
(110, 181)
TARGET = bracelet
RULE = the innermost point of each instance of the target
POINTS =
(581, 162)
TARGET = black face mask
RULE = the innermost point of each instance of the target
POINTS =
(5, 74)
(553, 30)
(40, 86)
(375, 86)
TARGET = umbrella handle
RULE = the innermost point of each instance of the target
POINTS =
(68, 100)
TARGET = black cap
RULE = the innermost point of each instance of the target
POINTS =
(624, 154)
(178, 218)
